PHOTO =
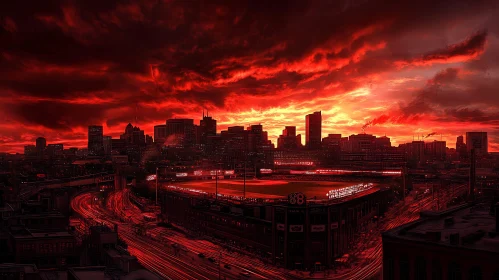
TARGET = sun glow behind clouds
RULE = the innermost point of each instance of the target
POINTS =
(272, 65)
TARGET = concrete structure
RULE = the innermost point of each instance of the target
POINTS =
(46, 249)
(459, 243)
(19, 271)
(55, 150)
(477, 141)
(107, 142)
(160, 134)
(180, 132)
(288, 140)
(95, 140)
(207, 127)
(41, 144)
(313, 130)
(297, 234)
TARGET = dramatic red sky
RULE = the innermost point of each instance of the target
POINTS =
(405, 67)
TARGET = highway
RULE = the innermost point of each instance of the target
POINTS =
(156, 249)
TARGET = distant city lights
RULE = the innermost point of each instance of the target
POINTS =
(151, 177)
(347, 191)
(186, 189)
(306, 163)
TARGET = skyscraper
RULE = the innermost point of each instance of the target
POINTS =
(461, 147)
(477, 141)
(288, 140)
(207, 127)
(41, 144)
(160, 133)
(180, 132)
(313, 130)
(107, 144)
(95, 140)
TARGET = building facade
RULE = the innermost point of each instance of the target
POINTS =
(477, 141)
(459, 243)
(313, 130)
(296, 236)
(95, 140)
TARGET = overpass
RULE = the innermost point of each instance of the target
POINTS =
(81, 181)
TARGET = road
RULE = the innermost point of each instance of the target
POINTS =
(168, 252)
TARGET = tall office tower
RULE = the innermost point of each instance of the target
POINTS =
(107, 143)
(41, 145)
(313, 130)
(95, 140)
(180, 132)
(255, 137)
(477, 141)
(288, 140)
(207, 127)
(461, 147)
(459, 142)
(160, 133)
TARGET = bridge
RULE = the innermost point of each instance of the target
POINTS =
(32, 188)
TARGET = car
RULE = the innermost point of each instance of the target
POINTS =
(227, 266)
(245, 274)
(201, 255)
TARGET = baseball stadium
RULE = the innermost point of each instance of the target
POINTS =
(295, 223)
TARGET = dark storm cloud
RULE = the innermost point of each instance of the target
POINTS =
(57, 116)
(143, 52)
(469, 47)
(445, 76)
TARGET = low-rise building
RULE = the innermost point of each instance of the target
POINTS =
(459, 243)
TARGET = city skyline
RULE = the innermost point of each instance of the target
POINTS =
(379, 66)
(275, 142)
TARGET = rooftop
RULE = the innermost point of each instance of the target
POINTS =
(466, 226)
(91, 272)
(25, 233)
(26, 268)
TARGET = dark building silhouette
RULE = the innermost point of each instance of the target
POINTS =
(461, 148)
(30, 150)
(459, 243)
(207, 127)
(107, 143)
(477, 141)
(180, 132)
(160, 133)
(313, 130)
(95, 140)
(55, 150)
(288, 140)
(436, 150)
(41, 144)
